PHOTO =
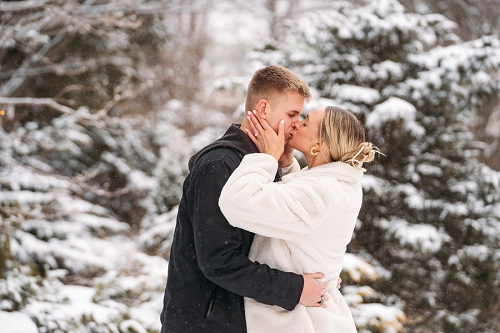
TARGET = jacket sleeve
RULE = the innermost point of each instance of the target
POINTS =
(251, 201)
(218, 247)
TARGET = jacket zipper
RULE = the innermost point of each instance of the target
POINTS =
(212, 301)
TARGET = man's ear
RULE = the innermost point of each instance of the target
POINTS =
(261, 109)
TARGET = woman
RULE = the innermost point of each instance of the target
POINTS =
(303, 223)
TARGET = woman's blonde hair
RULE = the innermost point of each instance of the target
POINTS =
(344, 136)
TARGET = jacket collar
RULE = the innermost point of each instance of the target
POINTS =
(234, 138)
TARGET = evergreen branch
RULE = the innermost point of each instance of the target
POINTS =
(78, 180)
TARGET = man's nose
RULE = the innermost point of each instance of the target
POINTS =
(294, 125)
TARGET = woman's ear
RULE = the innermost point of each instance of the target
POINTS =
(261, 109)
(324, 150)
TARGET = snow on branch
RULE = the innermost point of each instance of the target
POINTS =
(16, 6)
(158, 7)
(67, 110)
(37, 101)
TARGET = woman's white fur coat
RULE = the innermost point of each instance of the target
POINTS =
(303, 225)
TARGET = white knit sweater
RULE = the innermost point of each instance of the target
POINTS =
(303, 225)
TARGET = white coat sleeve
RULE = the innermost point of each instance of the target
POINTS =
(250, 200)
(294, 167)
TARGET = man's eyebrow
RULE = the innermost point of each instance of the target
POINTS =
(294, 111)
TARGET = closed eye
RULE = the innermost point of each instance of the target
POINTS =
(304, 121)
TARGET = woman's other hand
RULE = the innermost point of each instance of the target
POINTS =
(265, 138)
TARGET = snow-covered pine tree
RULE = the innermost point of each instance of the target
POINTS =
(91, 157)
(475, 18)
(65, 241)
(431, 216)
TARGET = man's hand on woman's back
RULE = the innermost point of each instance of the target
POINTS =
(313, 290)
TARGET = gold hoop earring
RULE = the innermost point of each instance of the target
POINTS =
(313, 151)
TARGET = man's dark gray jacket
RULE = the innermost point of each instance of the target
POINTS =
(209, 271)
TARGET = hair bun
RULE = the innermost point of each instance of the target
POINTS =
(364, 153)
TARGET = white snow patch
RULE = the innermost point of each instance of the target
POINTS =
(25, 197)
(17, 322)
(79, 303)
(429, 170)
(387, 319)
(414, 198)
(388, 68)
(421, 237)
(96, 222)
(358, 268)
(355, 94)
(372, 183)
(393, 109)
(79, 137)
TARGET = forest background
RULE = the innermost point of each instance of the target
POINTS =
(102, 102)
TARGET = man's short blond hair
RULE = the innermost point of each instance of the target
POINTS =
(271, 81)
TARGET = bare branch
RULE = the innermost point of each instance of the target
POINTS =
(18, 78)
(37, 101)
(67, 110)
(71, 67)
(159, 7)
(74, 87)
(16, 6)
(29, 72)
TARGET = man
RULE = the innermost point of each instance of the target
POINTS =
(209, 271)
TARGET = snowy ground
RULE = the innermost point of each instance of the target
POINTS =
(128, 297)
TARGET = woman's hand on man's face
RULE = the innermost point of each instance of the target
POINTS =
(265, 138)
